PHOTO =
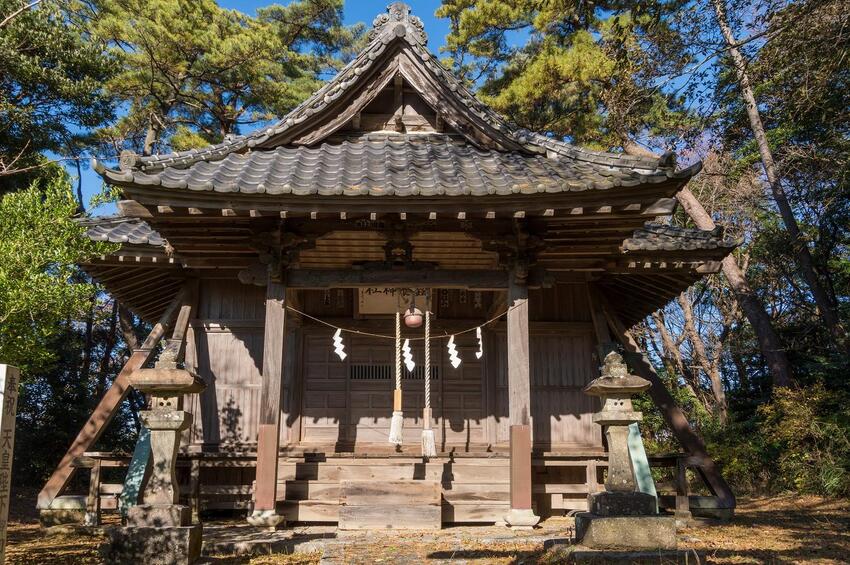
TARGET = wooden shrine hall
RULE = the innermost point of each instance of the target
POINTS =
(392, 187)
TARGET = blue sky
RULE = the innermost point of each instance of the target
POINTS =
(355, 11)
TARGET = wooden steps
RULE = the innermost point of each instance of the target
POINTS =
(469, 489)
(397, 505)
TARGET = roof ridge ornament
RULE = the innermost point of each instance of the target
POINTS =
(399, 21)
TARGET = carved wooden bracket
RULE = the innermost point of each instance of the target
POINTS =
(277, 250)
(517, 250)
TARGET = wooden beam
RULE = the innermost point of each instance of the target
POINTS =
(268, 437)
(347, 278)
(673, 415)
(108, 405)
(604, 343)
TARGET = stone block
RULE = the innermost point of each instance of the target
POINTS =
(521, 519)
(621, 504)
(59, 516)
(153, 546)
(625, 532)
(586, 556)
(145, 515)
(711, 508)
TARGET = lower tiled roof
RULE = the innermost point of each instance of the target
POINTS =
(117, 229)
(658, 237)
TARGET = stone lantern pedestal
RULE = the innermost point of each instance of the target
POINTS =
(161, 529)
(621, 518)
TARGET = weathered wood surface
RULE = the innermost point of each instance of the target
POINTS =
(520, 470)
(403, 493)
(347, 278)
(410, 505)
(108, 405)
(227, 349)
(270, 399)
(519, 371)
(390, 517)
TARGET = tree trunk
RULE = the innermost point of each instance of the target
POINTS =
(771, 348)
(698, 350)
(823, 301)
(125, 319)
(151, 135)
(85, 362)
(672, 358)
(107, 351)
(81, 206)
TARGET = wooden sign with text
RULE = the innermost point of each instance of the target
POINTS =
(387, 300)
(9, 378)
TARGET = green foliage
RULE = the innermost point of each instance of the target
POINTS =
(799, 441)
(192, 72)
(51, 78)
(586, 71)
(40, 245)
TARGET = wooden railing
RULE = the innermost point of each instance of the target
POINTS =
(104, 495)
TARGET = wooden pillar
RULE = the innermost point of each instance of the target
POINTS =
(683, 504)
(93, 500)
(268, 437)
(519, 407)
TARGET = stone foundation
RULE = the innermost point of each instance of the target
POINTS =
(587, 556)
(154, 546)
(60, 516)
(625, 532)
(621, 504)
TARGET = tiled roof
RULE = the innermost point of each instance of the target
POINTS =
(115, 229)
(658, 237)
(390, 165)
(396, 25)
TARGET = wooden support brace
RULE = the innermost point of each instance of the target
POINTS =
(673, 415)
(107, 407)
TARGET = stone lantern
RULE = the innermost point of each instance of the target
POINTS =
(620, 517)
(161, 529)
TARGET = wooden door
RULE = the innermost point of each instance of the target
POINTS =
(349, 403)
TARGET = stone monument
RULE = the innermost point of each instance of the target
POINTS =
(620, 517)
(160, 530)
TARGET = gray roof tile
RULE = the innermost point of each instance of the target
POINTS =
(658, 237)
(116, 229)
(389, 165)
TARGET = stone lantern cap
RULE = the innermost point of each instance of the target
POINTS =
(158, 381)
(616, 380)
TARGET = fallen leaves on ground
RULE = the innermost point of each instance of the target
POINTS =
(785, 529)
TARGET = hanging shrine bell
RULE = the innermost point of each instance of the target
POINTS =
(413, 317)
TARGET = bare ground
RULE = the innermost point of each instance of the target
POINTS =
(784, 529)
